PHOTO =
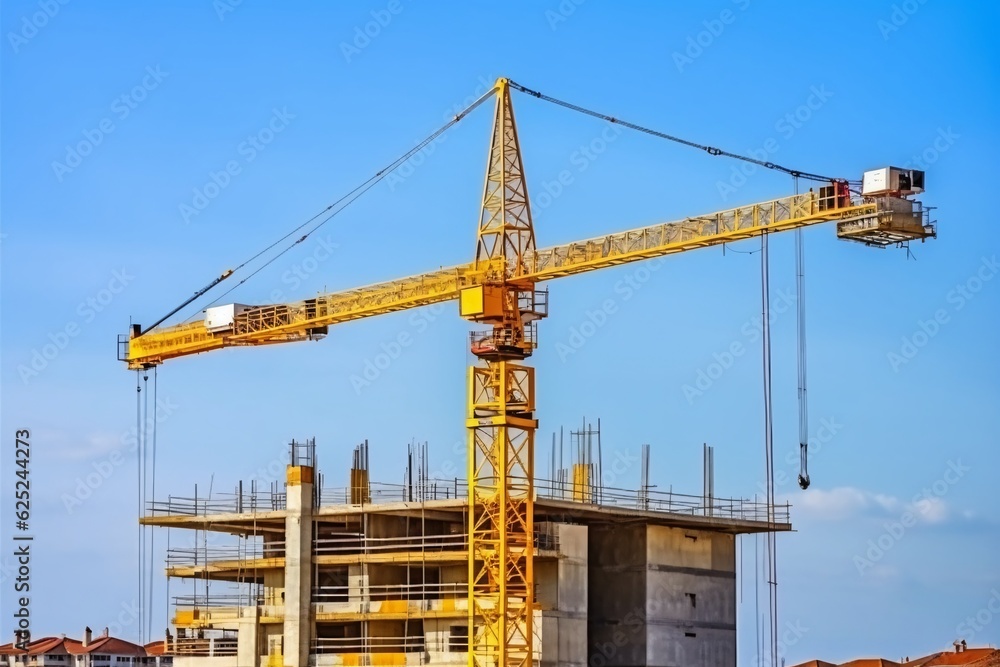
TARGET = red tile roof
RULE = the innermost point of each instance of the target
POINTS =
(113, 646)
(65, 645)
(971, 657)
(45, 645)
(155, 648)
(920, 662)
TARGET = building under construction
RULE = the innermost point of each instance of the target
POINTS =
(502, 569)
(378, 574)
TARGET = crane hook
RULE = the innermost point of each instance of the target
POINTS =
(804, 465)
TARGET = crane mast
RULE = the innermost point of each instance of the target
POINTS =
(501, 404)
(497, 291)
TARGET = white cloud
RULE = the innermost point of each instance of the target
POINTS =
(847, 502)
(833, 505)
(66, 447)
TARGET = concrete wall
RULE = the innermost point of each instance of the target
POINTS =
(383, 525)
(617, 596)
(691, 598)
(437, 632)
(561, 624)
(661, 597)
(274, 587)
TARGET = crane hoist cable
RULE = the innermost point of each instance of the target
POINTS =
(151, 425)
(800, 338)
(711, 150)
(771, 546)
(138, 487)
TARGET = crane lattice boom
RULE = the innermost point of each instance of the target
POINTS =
(308, 319)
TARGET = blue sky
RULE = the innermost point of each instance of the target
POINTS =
(162, 97)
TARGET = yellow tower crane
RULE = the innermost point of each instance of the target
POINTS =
(498, 289)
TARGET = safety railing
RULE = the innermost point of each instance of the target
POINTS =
(193, 556)
(219, 600)
(669, 502)
(456, 488)
(219, 503)
(208, 647)
(429, 591)
(405, 644)
(383, 492)
(361, 544)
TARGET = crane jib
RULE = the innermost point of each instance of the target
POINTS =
(874, 221)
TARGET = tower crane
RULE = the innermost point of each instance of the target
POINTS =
(499, 290)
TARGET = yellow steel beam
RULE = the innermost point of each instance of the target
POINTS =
(299, 321)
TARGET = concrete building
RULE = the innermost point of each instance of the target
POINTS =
(377, 574)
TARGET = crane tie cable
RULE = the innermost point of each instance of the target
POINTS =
(332, 210)
(711, 150)
(339, 205)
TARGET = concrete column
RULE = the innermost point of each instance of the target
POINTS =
(247, 643)
(357, 583)
(298, 566)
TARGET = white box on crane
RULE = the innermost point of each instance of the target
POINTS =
(221, 318)
(894, 181)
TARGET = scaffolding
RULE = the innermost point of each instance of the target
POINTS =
(387, 562)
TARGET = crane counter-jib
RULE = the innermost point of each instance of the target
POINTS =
(875, 221)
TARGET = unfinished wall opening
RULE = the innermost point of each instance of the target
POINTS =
(458, 639)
